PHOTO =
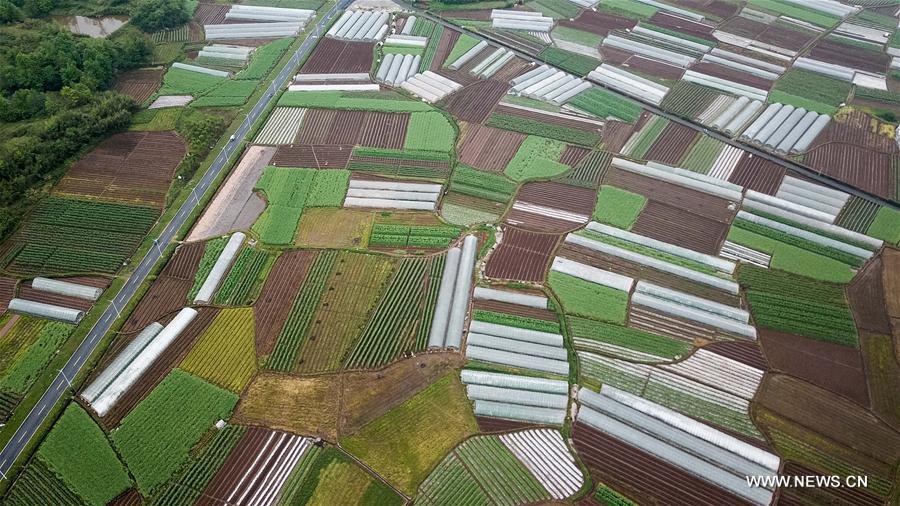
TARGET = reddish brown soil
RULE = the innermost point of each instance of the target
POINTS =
(277, 296)
(463, 75)
(835, 368)
(737, 76)
(702, 204)
(243, 459)
(513, 68)
(860, 167)
(820, 495)
(718, 8)
(185, 261)
(515, 309)
(745, 352)
(682, 228)
(498, 426)
(130, 497)
(831, 416)
(211, 13)
(522, 255)
(859, 129)
(785, 37)
(866, 296)
(652, 321)
(757, 173)
(641, 476)
(599, 22)
(7, 292)
(745, 27)
(666, 20)
(29, 293)
(165, 296)
(572, 155)
(161, 367)
(556, 195)
(314, 156)
(615, 134)
(850, 56)
(445, 45)
(653, 67)
(672, 144)
(372, 129)
(474, 102)
(549, 119)
(488, 148)
(333, 56)
(139, 84)
(135, 167)
(614, 56)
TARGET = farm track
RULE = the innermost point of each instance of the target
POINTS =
(787, 164)
(58, 386)
(522, 255)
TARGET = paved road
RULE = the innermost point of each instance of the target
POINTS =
(796, 167)
(37, 415)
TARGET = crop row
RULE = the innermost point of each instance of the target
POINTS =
(286, 191)
(225, 355)
(799, 242)
(243, 277)
(535, 127)
(187, 488)
(702, 155)
(590, 170)
(429, 131)
(211, 251)
(790, 285)
(640, 142)
(354, 101)
(704, 408)
(433, 41)
(583, 298)
(38, 484)
(22, 374)
(178, 34)
(603, 104)
(515, 321)
(575, 63)
(811, 318)
(392, 329)
(434, 284)
(502, 476)
(650, 252)
(480, 184)
(297, 323)
(400, 236)
(609, 497)
(93, 215)
(633, 339)
(264, 58)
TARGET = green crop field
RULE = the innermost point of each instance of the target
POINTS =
(793, 259)
(225, 355)
(641, 141)
(227, 94)
(522, 322)
(583, 298)
(576, 36)
(603, 104)
(155, 438)
(30, 363)
(618, 207)
(187, 82)
(798, 305)
(815, 92)
(609, 497)
(264, 58)
(297, 323)
(481, 467)
(586, 332)
(187, 487)
(211, 251)
(702, 155)
(68, 235)
(557, 9)
(463, 44)
(575, 63)
(286, 192)
(886, 225)
(393, 327)
(244, 278)
(539, 128)
(796, 11)
(628, 8)
(331, 477)
(536, 158)
(329, 188)
(402, 236)
(404, 445)
(429, 131)
(798, 242)
(648, 251)
(385, 102)
(77, 449)
(38, 484)
(17, 340)
(485, 185)
(434, 40)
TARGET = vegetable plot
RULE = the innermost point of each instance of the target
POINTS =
(225, 354)
(617, 207)
(537, 157)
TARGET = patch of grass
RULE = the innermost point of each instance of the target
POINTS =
(225, 355)
(481, 184)
(811, 87)
(590, 300)
(167, 53)
(404, 445)
(229, 93)
(576, 36)
(603, 104)
(155, 438)
(333, 478)
(793, 259)
(429, 131)
(536, 158)
(187, 82)
(886, 226)
(462, 45)
(617, 207)
(77, 449)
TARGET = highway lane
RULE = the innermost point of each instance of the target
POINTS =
(38, 413)
(787, 164)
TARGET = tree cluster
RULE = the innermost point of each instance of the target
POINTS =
(155, 15)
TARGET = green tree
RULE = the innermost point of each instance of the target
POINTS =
(9, 13)
(155, 15)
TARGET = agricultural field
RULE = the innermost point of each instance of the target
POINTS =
(536, 158)
(617, 207)
(583, 298)
(225, 355)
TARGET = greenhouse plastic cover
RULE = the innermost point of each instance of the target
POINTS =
(560, 367)
(517, 412)
(220, 268)
(124, 358)
(496, 379)
(66, 288)
(42, 310)
(513, 396)
(521, 299)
